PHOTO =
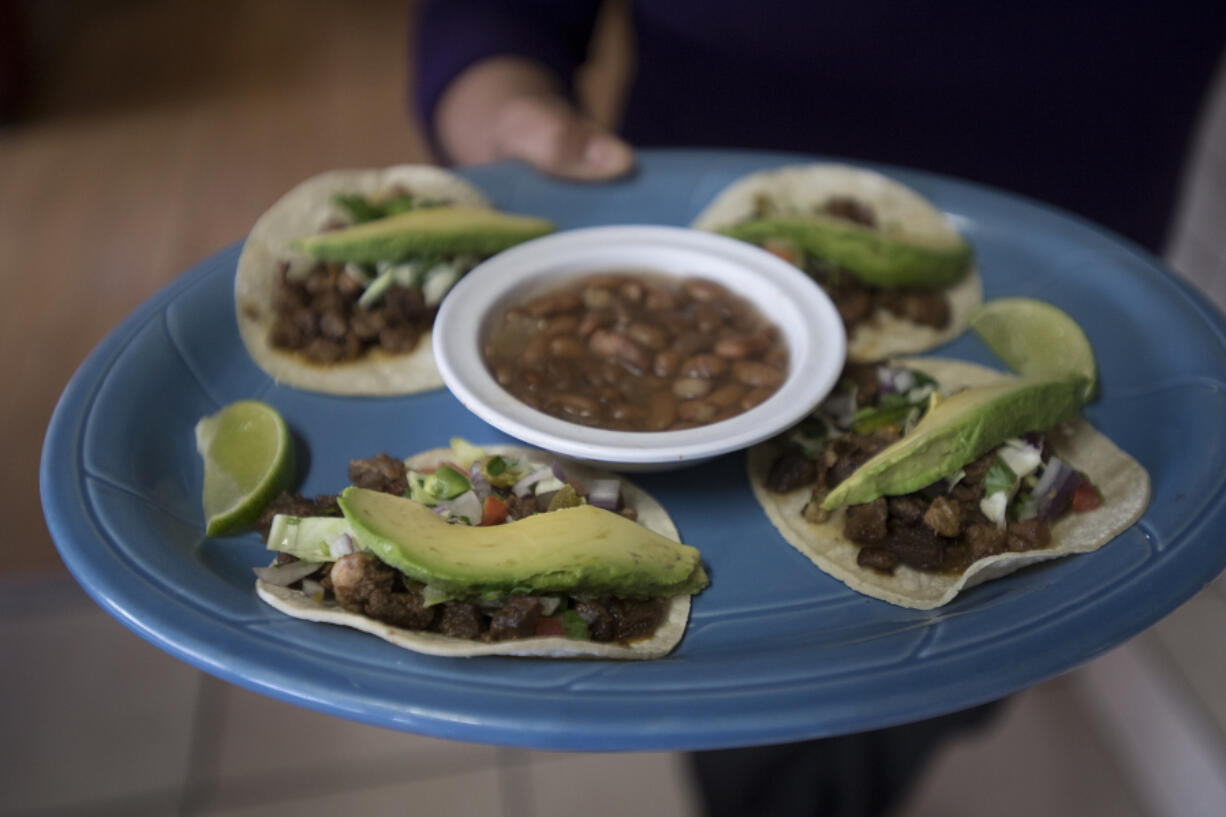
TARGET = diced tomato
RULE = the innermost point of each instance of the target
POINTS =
(1086, 497)
(494, 512)
(549, 626)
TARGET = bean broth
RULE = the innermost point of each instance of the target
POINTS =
(637, 352)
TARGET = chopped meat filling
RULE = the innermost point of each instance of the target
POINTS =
(790, 471)
(857, 302)
(319, 316)
(380, 473)
(852, 210)
(462, 619)
(516, 618)
(296, 505)
(944, 517)
(362, 584)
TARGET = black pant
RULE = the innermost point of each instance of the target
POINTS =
(860, 775)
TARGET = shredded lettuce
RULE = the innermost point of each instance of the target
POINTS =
(306, 537)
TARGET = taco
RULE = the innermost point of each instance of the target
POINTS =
(998, 475)
(339, 281)
(495, 551)
(901, 276)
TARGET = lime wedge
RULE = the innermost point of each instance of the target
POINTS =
(248, 459)
(1036, 339)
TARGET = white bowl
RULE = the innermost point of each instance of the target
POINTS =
(807, 319)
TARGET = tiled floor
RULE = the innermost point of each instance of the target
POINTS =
(97, 722)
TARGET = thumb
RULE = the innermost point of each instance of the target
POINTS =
(549, 134)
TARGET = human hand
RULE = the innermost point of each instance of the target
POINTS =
(512, 108)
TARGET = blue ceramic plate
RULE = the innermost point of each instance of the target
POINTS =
(775, 651)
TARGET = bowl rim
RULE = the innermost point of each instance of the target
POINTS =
(813, 330)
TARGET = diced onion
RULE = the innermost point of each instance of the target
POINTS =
(313, 589)
(523, 488)
(549, 485)
(895, 379)
(476, 478)
(466, 505)
(341, 545)
(556, 469)
(1054, 490)
(994, 506)
(285, 575)
(605, 493)
(1021, 457)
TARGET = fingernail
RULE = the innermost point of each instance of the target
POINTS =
(602, 152)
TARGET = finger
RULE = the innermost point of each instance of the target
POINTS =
(550, 135)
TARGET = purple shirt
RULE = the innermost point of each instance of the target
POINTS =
(1086, 105)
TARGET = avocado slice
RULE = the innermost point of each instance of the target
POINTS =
(872, 257)
(957, 430)
(574, 550)
(436, 231)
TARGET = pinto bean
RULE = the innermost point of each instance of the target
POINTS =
(593, 321)
(776, 356)
(653, 337)
(708, 317)
(666, 363)
(704, 366)
(677, 324)
(561, 325)
(700, 289)
(727, 396)
(696, 411)
(547, 305)
(688, 388)
(578, 405)
(691, 343)
(567, 346)
(739, 347)
(632, 291)
(595, 297)
(626, 411)
(614, 344)
(755, 396)
(659, 299)
(534, 351)
(661, 411)
(756, 375)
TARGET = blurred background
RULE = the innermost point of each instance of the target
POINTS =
(139, 137)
